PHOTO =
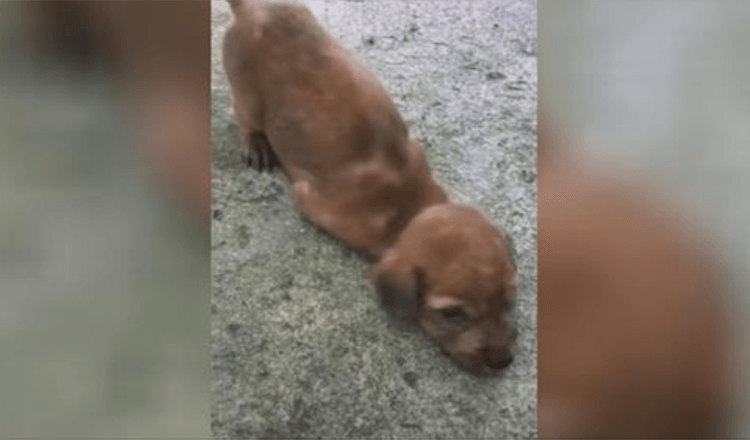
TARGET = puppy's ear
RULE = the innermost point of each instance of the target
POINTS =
(399, 286)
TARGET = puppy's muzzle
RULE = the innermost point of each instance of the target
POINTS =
(497, 359)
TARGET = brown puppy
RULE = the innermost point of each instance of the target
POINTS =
(633, 339)
(304, 104)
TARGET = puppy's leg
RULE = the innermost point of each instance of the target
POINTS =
(310, 203)
(244, 140)
(255, 149)
(258, 150)
(242, 115)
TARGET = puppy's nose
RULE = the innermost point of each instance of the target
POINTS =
(497, 359)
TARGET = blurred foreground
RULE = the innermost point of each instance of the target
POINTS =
(104, 262)
(643, 218)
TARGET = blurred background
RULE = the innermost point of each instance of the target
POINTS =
(104, 240)
(653, 95)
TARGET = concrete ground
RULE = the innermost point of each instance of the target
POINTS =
(300, 347)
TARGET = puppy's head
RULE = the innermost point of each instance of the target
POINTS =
(453, 273)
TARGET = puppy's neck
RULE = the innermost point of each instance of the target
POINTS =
(412, 192)
(429, 194)
(438, 197)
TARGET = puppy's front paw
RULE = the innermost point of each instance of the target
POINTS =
(246, 153)
(260, 153)
(253, 151)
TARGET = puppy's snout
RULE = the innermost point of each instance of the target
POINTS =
(497, 359)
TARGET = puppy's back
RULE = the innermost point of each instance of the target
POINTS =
(309, 90)
(287, 23)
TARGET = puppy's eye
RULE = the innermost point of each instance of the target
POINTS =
(454, 314)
